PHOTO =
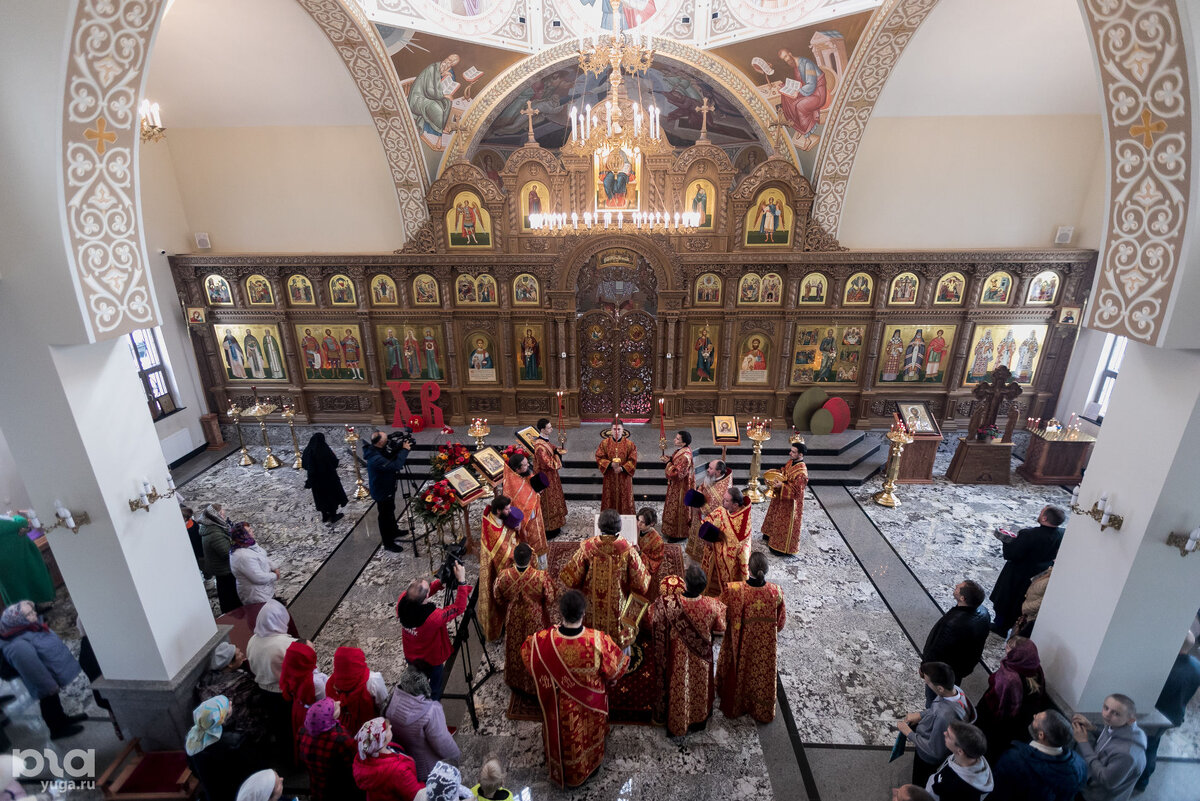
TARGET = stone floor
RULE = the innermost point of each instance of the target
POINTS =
(847, 664)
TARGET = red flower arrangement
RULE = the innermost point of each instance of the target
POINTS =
(449, 455)
(437, 502)
(512, 449)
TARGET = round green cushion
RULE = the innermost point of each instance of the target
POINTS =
(809, 401)
(822, 422)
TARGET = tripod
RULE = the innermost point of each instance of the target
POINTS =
(409, 488)
(462, 643)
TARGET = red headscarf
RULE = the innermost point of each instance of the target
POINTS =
(296, 681)
(348, 684)
(1008, 684)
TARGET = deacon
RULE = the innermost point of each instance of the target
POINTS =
(711, 484)
(781, 526)
(754, 613)
(650, 547)
(684, 626)
(547, 461)
(572, 667)
(496, 545)
(522, 485)
(728, 529)
(617, 459)
(528, 595)
(607, 569)
(681, 477)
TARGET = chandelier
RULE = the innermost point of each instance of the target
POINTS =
(616, 135)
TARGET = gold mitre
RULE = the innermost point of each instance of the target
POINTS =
(796, 438)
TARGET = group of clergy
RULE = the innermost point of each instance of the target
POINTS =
(570, 667)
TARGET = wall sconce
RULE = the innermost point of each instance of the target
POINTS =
(152, 127)
(64, 518)
(149, 495)
(1186, 543)
(1100, 511)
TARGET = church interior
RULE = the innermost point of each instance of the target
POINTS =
(943, 243)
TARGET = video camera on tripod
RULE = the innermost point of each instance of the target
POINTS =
(396, 440)
(454, 554)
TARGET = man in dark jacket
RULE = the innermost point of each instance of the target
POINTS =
(425, 639)
(1043, 770)
(383, 471)
(957, 639)
(1182, 683)
(1030, 552)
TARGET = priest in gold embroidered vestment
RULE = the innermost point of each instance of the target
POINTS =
(617, 459)
(607, 569)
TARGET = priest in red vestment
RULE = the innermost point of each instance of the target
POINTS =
(716, 478)
(607, 569)
(651, 548)
(528, 596)
(781, 526)
(572, 667)
(617, 459)
(519, 485)
(754, 614)
(681, 477)
(495, 554)
(728, 529)
(684, 626)
(547, 461)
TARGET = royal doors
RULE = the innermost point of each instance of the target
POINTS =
(616, 373)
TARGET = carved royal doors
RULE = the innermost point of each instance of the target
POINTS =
(616, 374)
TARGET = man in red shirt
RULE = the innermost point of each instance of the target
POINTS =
(425, 639)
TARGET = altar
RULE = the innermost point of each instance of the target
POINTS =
(1055, 458)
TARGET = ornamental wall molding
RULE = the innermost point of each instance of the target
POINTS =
(1141, 53)
(107, 59)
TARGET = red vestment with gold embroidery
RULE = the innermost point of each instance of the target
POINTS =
(746, 667)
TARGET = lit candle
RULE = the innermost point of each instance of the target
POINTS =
(560, 409)
(574, 133)
(662, 426)
(1075, 496)
(1104, 518)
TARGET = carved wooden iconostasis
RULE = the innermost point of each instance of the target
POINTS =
(736, 317)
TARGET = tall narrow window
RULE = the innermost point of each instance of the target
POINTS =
(1106, 378)
(146, 347)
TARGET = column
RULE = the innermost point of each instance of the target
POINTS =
(1120, 602)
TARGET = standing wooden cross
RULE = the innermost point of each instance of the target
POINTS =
(704, 108)
(990, 395)
(529, 111)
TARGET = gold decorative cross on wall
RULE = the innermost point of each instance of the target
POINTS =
(704, 108)
(529, 111)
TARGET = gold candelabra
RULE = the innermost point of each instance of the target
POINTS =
(289, 414)
(898, 437)
(1101, 512)
(479, 429)
(150, 495)
(352, 438)
(63, 518)
(260, 410)
(235, 412)
(758, 429)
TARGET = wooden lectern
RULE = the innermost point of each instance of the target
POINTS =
(986, 461)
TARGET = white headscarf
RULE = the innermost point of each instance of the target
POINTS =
(259, 787)
(273, 618)
(372, 738)
(222, 655)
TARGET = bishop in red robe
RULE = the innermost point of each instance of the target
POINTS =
(617, 459)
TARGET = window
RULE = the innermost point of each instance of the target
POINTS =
(146, 347)
(1106, 378)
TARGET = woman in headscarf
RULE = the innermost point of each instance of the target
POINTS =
(1016, 692)
(381, 771)
(321, 464)
(327, 750)
(256, 574)
(419, 723)
(266, 785)
(360, 691)
(300, 683)
(444, 784)
(265, 653)
(215, 539)
(219, 756)
(226, 677)
(43, 662)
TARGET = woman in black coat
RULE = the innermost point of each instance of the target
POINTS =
(323, 480)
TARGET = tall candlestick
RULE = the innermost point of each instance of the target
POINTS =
(662, 426)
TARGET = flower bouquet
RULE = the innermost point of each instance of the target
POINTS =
(436, 503)
(511, 449)
(987, 432)
(448, 456)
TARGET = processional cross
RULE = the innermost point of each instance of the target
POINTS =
(990, 395)
(704, 108)
(530, 112)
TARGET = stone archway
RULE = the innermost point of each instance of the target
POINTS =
(110, 45)
(1141, 53)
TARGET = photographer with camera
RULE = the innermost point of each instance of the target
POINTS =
(425, 639)
(385, 455)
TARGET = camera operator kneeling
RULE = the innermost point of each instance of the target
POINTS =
(425, 639)
(385, 455)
